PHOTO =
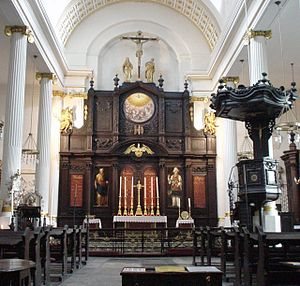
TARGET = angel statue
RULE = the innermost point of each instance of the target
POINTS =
(149, 70)
(138, 151)
(210, 123)
(66, 121)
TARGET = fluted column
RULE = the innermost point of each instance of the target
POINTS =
(258, 62)
(42, 176)
(228, 146)
(12, 141)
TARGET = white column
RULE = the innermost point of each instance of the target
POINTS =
(55, 147)
(228, 153)
(14, 111)
(258, 62)
(42, 175)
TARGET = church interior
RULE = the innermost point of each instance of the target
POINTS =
(156, 128)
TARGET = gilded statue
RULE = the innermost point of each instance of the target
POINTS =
(149, 70)
(210, 123)
(66, 121)
(127, 70)
(138, 151)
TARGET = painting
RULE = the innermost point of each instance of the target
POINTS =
(175, 186)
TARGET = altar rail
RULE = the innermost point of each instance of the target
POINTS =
(141, 241)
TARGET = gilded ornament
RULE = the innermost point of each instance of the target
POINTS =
(66, 122)
(234, 79)
(210, 123)
(85, 112)
(252, 34)
(138, 151)
(9, 30)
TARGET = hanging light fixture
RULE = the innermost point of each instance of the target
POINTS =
(29, 151)
(287, 121)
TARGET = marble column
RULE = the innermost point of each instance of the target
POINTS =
(42, 176)
(14, 111)
(229, 157)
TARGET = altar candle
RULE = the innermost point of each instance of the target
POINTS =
(120, 193)
(189, 202)
(125, 187)
(157, 191)
(151, 188)
(145, 193)
(178, 202)
(132, 187)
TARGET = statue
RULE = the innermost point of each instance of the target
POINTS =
(66, 121)
(175, 187)
(149, 70)
(127, 70)
(210, 123)
(101, 186)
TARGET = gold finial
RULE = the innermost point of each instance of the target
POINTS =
(9, 30)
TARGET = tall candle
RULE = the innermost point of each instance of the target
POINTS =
(189, 202)
(151, 188)
(125, 187)
(157, 191)
(178, 202)
(132, 187)
(120, 193)
(145, 192)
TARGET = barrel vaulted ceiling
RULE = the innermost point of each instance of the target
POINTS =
(196, 11)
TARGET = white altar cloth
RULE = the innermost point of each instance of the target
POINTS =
(140, 219)
(185, 221)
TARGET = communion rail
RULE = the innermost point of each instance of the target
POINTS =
(140, 241)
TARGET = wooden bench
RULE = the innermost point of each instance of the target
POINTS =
(16, 272)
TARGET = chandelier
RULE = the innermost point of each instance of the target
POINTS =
(29, 151)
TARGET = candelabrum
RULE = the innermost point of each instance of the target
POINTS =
(125, 206)
(119, 210)
(190, 214)
(131, 206)
(157, 207)
(145, 206)
(152, 209)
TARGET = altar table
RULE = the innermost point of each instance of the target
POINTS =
(126, 220)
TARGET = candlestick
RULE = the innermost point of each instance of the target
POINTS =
(157, 190)
(178, 202)
(152, 210)
(120, 198)
(139, 209)
(157, 207)
(131, 199)
(145, 197)
(189, 204)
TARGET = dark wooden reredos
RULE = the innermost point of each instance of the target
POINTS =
(107, 133)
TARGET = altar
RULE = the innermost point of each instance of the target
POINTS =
(140, 221)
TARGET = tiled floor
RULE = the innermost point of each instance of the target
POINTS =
(105, 271)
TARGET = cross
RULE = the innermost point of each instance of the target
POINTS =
(139, 39)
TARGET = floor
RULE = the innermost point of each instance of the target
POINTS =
(105, 271)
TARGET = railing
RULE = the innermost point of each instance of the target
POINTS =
(153, 241)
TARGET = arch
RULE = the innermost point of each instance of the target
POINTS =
(194, 10)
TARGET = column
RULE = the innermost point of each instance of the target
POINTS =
(258, 62)
(12, 141)
(228, 145)
(42, 176)
(54, 164)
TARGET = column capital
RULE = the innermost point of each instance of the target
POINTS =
(234, 79)
(9, 30)
(250, 34)
(48, 75)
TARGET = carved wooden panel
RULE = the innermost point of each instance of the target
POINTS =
(76, 190)
(173, 115)
(199, 188)
(104, 114)
(150, 189)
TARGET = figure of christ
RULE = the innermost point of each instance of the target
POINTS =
(139, 40)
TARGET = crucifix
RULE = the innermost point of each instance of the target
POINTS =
(139, 39)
